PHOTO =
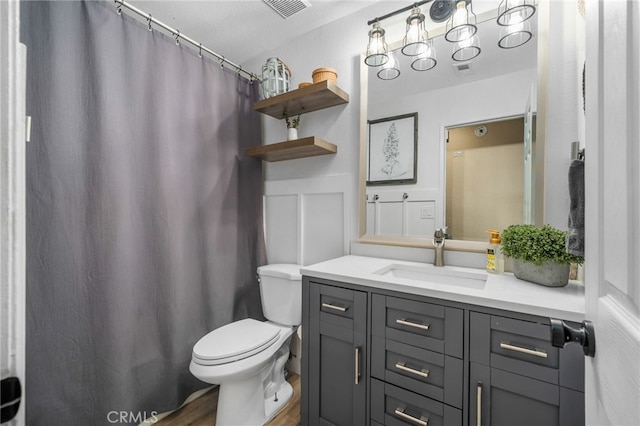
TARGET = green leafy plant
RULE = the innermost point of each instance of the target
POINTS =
(529, 243)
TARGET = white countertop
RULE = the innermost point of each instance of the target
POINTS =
(503, 291)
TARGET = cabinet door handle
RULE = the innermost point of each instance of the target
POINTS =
(509, 346)
(422, 421)
(479, 404)
(422, 373)
(334, 307)
(403, 321)
(357, 365)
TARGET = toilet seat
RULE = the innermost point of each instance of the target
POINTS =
(235, 341)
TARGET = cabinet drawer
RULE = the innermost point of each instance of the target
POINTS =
(524, 348)
(428, 373)
(394, 406)
(336, 305)
(425, 325)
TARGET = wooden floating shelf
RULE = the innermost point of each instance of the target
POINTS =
(300, 101)
(289, 150)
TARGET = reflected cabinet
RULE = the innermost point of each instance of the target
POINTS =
(378, 357)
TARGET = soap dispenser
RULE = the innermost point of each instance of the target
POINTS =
(495, 259)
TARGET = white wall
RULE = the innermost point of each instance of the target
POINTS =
(563, 110)
(339, 44)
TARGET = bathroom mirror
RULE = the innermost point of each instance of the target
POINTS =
(498, 85)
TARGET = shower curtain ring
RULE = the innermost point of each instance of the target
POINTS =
(222, 62)
(200, 51)
(149, 22)
(119, 8)
(178, 38)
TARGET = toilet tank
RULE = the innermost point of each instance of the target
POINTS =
(281, 293)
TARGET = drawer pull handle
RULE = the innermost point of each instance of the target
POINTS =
(334, 307)
(422, 421)
(479, 405)
(538, 353)
(422, 373)
(403, 321)
(357, 366)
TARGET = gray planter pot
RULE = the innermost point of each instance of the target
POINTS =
(550, 274)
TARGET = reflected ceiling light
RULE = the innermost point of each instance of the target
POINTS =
(416, 37)
(462, 23)
(466, 49)
(377, 50)
(391, 68)
(515, 35)
(512, 12)
(426, 60)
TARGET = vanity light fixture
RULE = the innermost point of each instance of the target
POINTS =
(426, 59)
(390, 69)
(512, 12)
(467, 49)
(513, 16)
(515, 35)
(377, 50)
(462, 23)
(416, 37)
(461, 29)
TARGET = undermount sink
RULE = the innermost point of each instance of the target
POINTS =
(432, 274)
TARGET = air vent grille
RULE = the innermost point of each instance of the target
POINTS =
(287, 8)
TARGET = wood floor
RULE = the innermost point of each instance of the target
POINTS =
(202, 411)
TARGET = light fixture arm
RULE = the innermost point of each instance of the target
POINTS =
(399, 11)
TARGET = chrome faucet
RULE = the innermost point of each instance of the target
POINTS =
(438, 244)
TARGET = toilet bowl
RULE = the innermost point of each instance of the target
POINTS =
(247, 357)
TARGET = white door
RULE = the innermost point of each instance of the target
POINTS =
(612, 263)
(12, 210)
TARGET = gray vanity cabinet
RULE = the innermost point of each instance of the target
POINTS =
(517, 377)
(379, 357)
(336, 352)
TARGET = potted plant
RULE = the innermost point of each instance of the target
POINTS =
(539, 254)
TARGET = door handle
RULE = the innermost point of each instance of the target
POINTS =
(11, 397)
(479, 404)
(357, 365)
(561, 334)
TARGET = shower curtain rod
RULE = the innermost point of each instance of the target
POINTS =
(178, 36)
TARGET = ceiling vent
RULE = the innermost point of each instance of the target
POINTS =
(463, 69)
(287, 8)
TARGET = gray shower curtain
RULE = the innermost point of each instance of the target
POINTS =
(144, 218)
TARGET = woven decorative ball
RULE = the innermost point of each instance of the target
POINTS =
(304, 84)
(322, 74)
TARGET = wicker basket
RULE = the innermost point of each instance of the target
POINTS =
(322, 74)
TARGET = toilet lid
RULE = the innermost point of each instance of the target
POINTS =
(235, 341)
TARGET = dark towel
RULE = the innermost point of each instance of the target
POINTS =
(575, 237)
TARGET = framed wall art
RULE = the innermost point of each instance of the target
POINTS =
(392, 150)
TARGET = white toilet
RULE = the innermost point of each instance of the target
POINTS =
(247, 357)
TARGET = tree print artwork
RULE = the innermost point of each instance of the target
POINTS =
(391, 151)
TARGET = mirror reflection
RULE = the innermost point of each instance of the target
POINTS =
(481, 184)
